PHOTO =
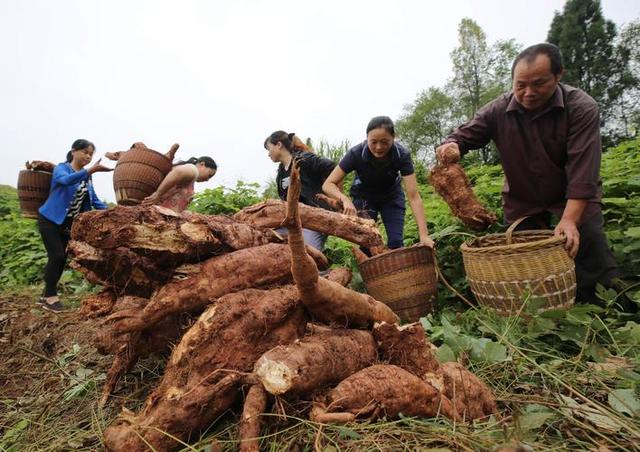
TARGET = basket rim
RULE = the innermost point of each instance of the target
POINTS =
(552, 240)
(35, 171)
(404, 249)
(124, 159)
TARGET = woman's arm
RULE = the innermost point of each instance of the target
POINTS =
(332, 186)
(417, 207)
(96, 202)
(182, 174)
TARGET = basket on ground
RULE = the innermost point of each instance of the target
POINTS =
(138, 174)
(503, 268)
(33, 191)
(404, 279)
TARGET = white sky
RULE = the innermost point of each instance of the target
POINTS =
(219, 76)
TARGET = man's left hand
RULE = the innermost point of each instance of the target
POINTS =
(569, 229)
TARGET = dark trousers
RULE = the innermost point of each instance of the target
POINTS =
(392, 211)
(594, 262)
(55, 238)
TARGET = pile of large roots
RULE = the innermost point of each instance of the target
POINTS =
(252, 321)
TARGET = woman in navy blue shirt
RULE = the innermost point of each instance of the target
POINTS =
(71, 193)
(381, 164)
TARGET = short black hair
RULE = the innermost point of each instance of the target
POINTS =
(383, 122)
(550, 50)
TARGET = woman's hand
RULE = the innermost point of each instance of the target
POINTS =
(427, 241)
(99, 168)
(348, 208)
(150, 200)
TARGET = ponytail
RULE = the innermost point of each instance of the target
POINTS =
(290, 141)
(208, 162)
(69, 156)
(192, 160)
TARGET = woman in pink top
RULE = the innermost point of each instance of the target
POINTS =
(176, 189)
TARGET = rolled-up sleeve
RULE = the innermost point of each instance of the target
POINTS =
(583, 153)
(476, 133)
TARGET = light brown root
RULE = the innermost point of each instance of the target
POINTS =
(320, 359)
(255, 404)
(451, 182)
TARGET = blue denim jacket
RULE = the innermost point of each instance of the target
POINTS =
(64, 184)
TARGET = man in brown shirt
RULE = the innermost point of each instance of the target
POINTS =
(548, 138)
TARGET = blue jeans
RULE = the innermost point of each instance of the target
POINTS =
(392, 211)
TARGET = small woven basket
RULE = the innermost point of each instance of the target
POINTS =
(404, 279)
(33, 191)
(501, 268)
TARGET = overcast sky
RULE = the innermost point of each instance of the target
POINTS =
(219, 76)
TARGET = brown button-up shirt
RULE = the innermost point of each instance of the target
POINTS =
(547, 156)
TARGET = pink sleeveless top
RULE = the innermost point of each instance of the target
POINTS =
(179, 197)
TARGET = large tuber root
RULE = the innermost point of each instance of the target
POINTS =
(255, 404)
(452, 184)
(382, 390)
(122, 270)
(325, 300)
(405, 346)
(252, 267)
(470, 395)
(168, 237)
(272, 213)
(202, 377)
(318, 360)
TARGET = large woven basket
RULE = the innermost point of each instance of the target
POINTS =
(138, 174)
(503, 268)
(33, 191)
(404, 279)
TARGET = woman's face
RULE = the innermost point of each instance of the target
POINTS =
(83, 156)
(379, 141)
(275, 151)
(204, 172)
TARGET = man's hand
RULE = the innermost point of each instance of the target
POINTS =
(568, 229)
(99, 168)
(448, 153)
(348, 208)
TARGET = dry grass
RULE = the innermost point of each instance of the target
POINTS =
(50, 378)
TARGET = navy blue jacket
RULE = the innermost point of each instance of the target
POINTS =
(64, 184)
(377, 179)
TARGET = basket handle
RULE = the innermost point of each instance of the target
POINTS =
(513, 226)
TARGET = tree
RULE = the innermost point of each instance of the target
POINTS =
(626, 112)
(592, 60)
(426, 122)
(481, 73)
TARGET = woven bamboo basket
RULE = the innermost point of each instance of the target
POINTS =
(138, 174)
(502, 268)
(404, 279)
(33, 191)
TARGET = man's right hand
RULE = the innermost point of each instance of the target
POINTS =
(448, 153)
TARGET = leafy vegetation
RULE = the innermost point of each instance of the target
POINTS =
(564, 379)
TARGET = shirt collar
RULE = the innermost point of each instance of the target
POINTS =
(556, 101)
(367, 156)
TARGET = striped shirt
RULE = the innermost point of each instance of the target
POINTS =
(78, 199)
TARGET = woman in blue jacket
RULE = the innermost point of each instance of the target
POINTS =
(71, 193)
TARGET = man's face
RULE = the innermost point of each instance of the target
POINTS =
(534, 83)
